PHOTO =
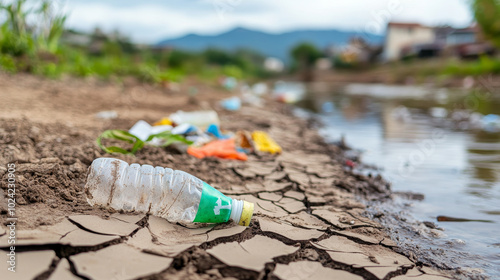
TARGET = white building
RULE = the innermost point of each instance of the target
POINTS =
(273, 64)
(401, 35)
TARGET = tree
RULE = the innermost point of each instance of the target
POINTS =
(305, 56)
(487, 14)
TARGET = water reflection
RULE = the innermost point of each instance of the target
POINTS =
(459, 171)
(484, 159)
(397, 121)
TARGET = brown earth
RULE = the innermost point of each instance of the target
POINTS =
(307, 223)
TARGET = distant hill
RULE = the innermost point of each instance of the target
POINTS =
(276, 45)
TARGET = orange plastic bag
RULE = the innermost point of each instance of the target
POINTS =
(225, 149)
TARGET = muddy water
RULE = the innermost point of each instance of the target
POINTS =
(453, 162)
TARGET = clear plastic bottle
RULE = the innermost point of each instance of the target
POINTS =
(171, 194)
(201, 119)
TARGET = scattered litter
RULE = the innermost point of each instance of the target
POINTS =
(252, 99)
(201, 119)
(229, 83)
(163, 121)
(491, 123)
(164, 139)
(244, 141)
(199, 140)
(350, 163)
(184, 128)
(231, 104)
(259, 89)
(214, 130)
(115, 184)
(107, 115)
(438, 112)
(252, 96)
(225, 149)
(143, 130)
(264, 143)
(289, 92)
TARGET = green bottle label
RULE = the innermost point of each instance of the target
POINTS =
(214, 206)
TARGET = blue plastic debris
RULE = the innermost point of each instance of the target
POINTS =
(215, 131)
(184, 128)
(231, 104)
(491, 123)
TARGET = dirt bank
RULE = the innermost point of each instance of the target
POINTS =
(308, 223)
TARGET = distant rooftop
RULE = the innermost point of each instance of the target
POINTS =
(407, 24)
(472, 28)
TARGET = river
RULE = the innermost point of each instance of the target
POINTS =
(424, 142)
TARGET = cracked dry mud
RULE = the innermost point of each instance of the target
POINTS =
(307, 222)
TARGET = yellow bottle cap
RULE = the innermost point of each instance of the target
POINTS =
(246, 214)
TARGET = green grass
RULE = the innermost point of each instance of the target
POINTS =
(484, 65)
(38, 49)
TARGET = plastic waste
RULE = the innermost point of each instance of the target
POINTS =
(491, 123)
(475, 120)
(171, 194)
(438, 112)
(244, 141)
(143, 130)
(214, 130)
(289, 92)
(251, 99)
(107, 115)
(201, 119)
(231, 104)
(225, 149)
(260, 89)
(184, 128)
(229, 83)
(264, 143)
(252, 95)
(199, 139)
(163, 121)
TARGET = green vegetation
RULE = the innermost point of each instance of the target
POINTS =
(454, 67)
(304, 57)
(33, 39)
(487, 14)
(167, 137)
(439, 68)
(484, 65)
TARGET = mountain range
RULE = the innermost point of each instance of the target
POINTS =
(268, 44)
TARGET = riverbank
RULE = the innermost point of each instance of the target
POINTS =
(449, 158)
(430, 72)
(307, 222)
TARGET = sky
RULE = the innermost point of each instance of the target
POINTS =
(149, 21)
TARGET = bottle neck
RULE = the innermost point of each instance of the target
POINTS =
(236, 210)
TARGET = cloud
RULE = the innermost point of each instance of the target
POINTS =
(152, 20)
